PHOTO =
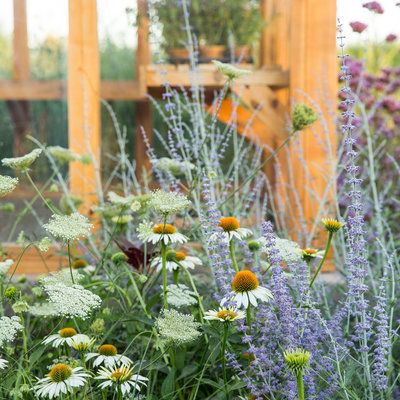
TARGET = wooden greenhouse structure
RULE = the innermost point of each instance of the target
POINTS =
(297, 46)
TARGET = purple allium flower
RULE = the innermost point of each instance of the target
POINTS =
(391, 37)
(358, 26)
(374, 6)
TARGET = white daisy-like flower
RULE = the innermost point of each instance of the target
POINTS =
(61, 379)
(167, 203)
(247, 290)
(81, 342)
(230, 71)
(64, 336)
(5, 266)
(82, 265)
(22, 163)
(107, 354)
(224, 314)
(165, 233)
(62, 155)
(121, 378)
(9, 328)
(3, 363)
(232, 229)
(72, 301)
(7, 184)
(173, 258)
(180, 296)
(311, 254)
(69, 227)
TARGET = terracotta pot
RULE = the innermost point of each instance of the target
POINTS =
(215, 51)
(243, 52)
(178, 52)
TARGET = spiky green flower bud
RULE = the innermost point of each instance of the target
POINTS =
(119, 257)
(297, 360)
(332, 225)
(302, 117)
(11, 293)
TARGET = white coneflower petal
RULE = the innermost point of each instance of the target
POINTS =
(224, 314)
(232, 228)
(175, 257)
(81, 342)
(3, 363)
(165, 233)
(63, 336)
(107, 354)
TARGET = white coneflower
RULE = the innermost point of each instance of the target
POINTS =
(69, 227)
(5, 266)
(63, 336)
(62, 276)
(61, 379)
(231, 227)
(332, 225)
(167, 203)
(165, 233)
(82, 265)
(7, 185)
(176, 328)
(230, 71)
(311, 254)
(107, 354)
(3, 363)
(225, 314)
(9, 328)
(122, 378)
(62, 155)
(247, 289)
(72, 301)
(180, 296)
(82, 343)
(173, 258)
(22, 163)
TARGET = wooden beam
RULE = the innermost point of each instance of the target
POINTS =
(143, 108)
(84, 98)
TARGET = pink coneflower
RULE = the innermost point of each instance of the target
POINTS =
(374, 6)
(358, 26)
(391, 37)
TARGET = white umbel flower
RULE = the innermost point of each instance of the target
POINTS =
(247, 290)
(22, 163)
(230, 71)
(63, 336)
(61, 379)
(72, 301)
(232, 229)
(166, 233)
(3, 363)
(175, 257)
(180, 296)
(167, 203)
(62, 276)
(62, 155)
(128, 201)
(7, 184)
(107, 354)
(224, 314)
(5, 266)
(69, 227)
(9, 328)
(122, 378)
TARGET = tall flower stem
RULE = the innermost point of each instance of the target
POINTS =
(300, 385)
(248, 316)
(233, 255)
(176, 276)
(327, 247)
(24, 342)
(48, 205)
(223, 348)
(70, 262)
(164, 272)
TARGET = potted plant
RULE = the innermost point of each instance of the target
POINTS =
(245, 23)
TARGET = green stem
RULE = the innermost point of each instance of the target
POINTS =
(70, 262)
(24, 342)
(48, 205)
(176, 276)
(248, 316)
(223, 348)
(164, 271)
(233, 256)
(300, 385)
(328, 246)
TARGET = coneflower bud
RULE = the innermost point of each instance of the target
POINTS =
(297, 360)
(332, 225)
(11, 293)
(254, 245)
(119, 257)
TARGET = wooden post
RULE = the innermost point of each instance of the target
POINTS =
(313, 80)
(143, 108)
(19, 109)
(84, 98)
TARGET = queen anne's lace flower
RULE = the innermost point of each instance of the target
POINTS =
(72, 301)
(167, 203)
(176, 328)
(174, 167)
(22, 163)
(5, 266)
(7, 184)
(230, 71)
(62, 276)
(180, 296)
(42, 310)
(69, 227)
(128, 201)
(62, 155)
(9, 327)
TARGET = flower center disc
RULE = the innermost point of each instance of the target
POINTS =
(180, 255)
(67, 332)
(226, 315)
(60, 373)
(229, 224)
(166, 229)
(245, 281)
(108, 350)
(310, 251)
(80, 263)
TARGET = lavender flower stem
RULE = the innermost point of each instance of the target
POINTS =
(327, 247)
